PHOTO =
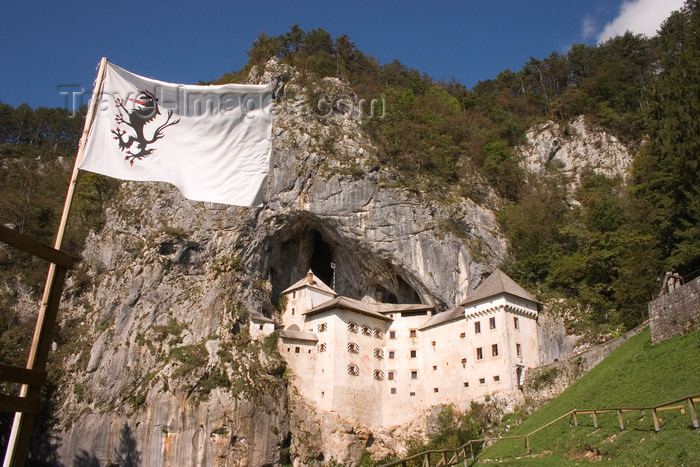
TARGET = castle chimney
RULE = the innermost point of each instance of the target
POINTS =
(310, 277)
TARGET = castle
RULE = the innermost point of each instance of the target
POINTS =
(383, 364)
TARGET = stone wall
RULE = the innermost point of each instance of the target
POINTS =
(675, 313)
(548, 381)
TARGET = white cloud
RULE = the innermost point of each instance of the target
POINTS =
(640, 17)
(588, 29)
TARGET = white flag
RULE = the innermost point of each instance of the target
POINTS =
(212, 142)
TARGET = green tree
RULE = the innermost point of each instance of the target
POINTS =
(667, 171)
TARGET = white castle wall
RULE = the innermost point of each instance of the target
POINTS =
(444, 359)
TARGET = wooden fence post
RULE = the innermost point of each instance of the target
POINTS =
(595, 420)
(575, 419)
(527, 444)
(657, 428)
(471, 449)
(693, 414)
(619, 418)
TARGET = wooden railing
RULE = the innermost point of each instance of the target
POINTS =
(446, 457)
(33, 376)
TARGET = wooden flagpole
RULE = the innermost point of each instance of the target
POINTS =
(18, 443)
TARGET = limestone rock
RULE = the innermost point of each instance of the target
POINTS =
(573, 147)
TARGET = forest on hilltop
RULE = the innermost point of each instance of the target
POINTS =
(445, 142)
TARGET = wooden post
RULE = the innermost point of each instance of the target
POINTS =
(18, 442)
(619, 418)
(471, 450)
(657, 428)
(595, 420)
(575, 419)
(693, 414)
(527, 444)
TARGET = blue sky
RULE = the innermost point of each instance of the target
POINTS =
(45, 44)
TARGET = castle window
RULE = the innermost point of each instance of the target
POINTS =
(435, 390)
(378, 334)
(414, 353)
(296, 349)
(464, 362)
(294, 294)
(518, 350)
(466, 384)
(353, 370)
(392, 334)
(434, 367)
(323, 393)
(462, 335)
(392, 354)
(496, 378)
(378, 375)
(414, 374)
(482, 380)
(261, 327)
(516, 323)
(412, 333)
(366, 330)
(479, 353)
(432, 343)
(309, 350)
(477, 327)
(322, 327)
(492, 323)
(393, 390)
(390, 375)
(353, 348)
(378, 353)
(411, 394)
(352, 327)
(292, 311)
(494, 350)
(321, 347)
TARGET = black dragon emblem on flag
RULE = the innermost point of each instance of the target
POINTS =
(145, 111)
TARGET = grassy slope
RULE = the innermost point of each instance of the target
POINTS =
(636, 374)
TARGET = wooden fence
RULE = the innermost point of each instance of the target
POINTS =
(446, 457)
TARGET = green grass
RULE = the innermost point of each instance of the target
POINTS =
(636, 374)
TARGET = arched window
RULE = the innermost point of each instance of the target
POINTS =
(353, 348)
(321, 347)
(322, 327)
(378, 334)
(366, 330)
(378, 353)
(353, 370)
(352, 327)
(378, 375)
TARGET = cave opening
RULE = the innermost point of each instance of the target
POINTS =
(321, 258)
(349, 268)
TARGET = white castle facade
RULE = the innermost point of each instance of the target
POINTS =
(384, 364)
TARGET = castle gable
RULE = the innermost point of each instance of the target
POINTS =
(312, 282)
(498, 283)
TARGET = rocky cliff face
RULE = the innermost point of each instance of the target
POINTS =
(574, 147)
(157, 365)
